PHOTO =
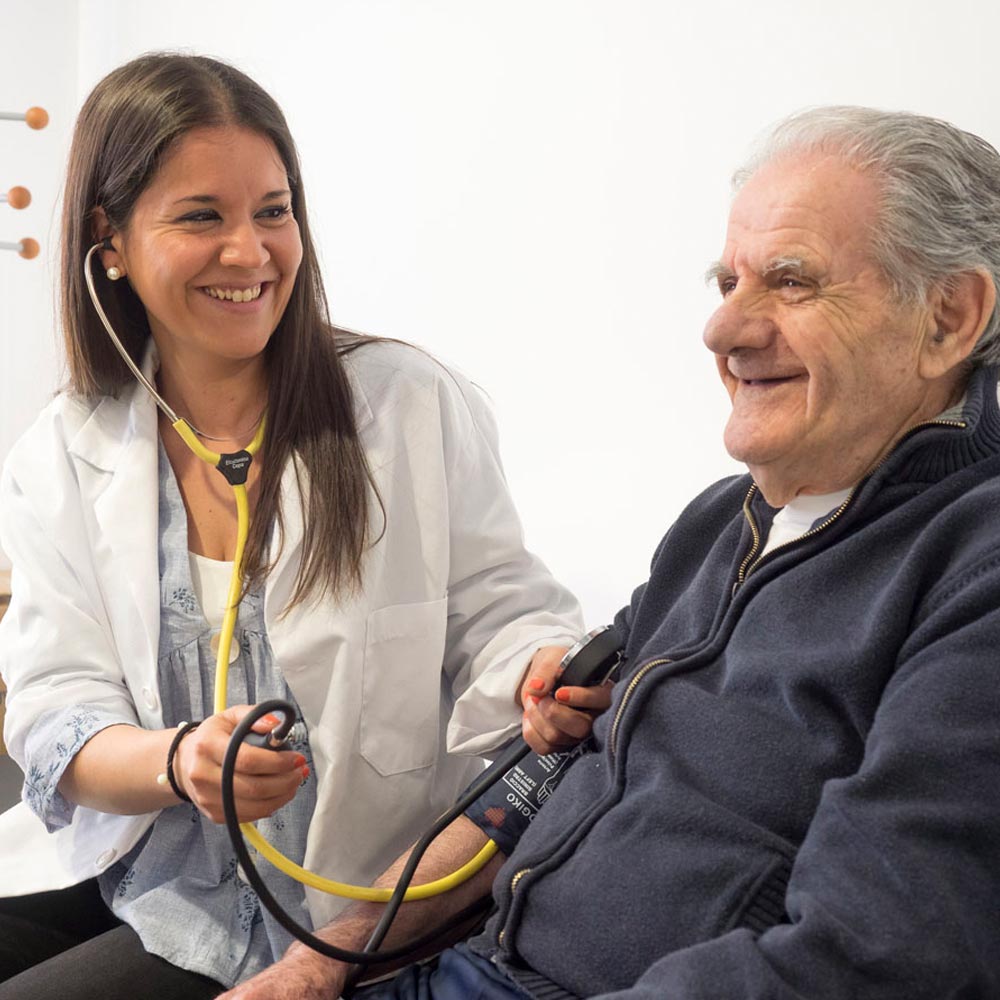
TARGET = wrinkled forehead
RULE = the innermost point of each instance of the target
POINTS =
(816, 207)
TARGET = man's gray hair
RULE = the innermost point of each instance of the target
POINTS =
(940, 195)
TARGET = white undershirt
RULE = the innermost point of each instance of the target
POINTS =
(210, 578)
(799, 515)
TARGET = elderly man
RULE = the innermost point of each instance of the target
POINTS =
(796, 792)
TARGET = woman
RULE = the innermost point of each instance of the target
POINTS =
(387, 590)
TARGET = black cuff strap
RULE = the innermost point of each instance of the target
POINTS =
(168, 774)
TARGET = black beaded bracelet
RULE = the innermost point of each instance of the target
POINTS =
(168, 774)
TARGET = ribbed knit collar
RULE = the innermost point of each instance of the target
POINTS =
(941, 447)
(935, 449)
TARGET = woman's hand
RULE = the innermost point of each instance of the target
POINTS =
(552, 723)
(264, 780)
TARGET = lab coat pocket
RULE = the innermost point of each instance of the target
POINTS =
(401, 690)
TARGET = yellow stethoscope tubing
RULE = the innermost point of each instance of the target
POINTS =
(250, 832)
(366, 893)
(213, 458)
(242, 531)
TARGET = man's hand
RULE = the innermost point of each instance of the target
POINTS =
(300, 975)
(552, 723)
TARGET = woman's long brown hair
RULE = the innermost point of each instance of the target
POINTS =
(129, 121)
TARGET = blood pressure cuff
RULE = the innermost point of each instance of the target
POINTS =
(504, 811)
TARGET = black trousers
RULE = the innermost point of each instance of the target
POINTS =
(67, 945)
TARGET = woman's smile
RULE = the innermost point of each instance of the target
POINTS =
(212, 248)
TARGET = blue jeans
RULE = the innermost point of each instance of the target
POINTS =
(458, 975)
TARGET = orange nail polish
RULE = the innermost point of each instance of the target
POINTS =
(305, 772)
(562, 695)
(536, 684)
(269, 720)
(299, 760)
(534, 699)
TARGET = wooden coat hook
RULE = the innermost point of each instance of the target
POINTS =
(26, 248)
(35, 118)
(16, 197)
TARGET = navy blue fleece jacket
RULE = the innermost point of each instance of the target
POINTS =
(796, 793)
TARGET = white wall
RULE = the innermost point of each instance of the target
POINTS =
(38, 49)
(533, 188)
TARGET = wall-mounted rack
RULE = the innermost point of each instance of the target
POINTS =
(35, 118)
(26, 248)
(16, 197)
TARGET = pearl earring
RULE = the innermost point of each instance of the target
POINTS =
(113, 273)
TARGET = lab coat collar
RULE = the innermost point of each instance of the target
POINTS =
(116, 451)
(363, 414)
(117, 423)
(120, 438)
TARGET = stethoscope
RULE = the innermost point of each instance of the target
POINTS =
(591, 661)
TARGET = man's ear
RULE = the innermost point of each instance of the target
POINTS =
(104, 232)
(960, 309)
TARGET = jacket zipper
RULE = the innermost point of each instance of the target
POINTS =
(756, 535)
(746, 568)
(632, 685)
(513, 887)
(749, 564)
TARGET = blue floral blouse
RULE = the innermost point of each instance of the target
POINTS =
(180, 887)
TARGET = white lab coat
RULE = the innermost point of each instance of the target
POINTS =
(421, 665)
